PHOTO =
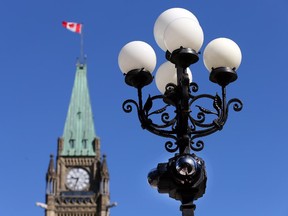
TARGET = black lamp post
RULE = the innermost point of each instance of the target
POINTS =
(178, 33)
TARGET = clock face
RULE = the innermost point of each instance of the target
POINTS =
(77, 179)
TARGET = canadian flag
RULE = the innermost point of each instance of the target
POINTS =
(72, 26)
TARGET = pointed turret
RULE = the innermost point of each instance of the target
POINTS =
(51, 169)
(79, 133)
(104, 168)
(50, 176)
(104, 197)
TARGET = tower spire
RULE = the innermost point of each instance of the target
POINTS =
(79, 132)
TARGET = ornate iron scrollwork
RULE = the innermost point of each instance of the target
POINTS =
(166, 125)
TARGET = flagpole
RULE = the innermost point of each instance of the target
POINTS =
(81, 46)
(78, 28)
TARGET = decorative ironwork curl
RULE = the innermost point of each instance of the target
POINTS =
(194, 87)
(169, 147)
(165, 117)
(200, 117)
(238, 105)
(198, 146)
(127, 107)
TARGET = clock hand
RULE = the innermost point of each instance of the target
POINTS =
(77, 179)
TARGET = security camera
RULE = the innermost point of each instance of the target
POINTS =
(186, 165)
(155, 174)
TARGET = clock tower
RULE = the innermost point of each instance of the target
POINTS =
(77, 180)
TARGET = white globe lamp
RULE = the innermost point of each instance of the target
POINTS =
(165, 19)
(137, 60)
(222, 57)
(167, 73)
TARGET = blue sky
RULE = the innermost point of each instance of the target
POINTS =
(247, 161)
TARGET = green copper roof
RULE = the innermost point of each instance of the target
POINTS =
(79, 131)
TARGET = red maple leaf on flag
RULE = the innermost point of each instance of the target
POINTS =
(72, 26)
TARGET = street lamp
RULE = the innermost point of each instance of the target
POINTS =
(177, 32)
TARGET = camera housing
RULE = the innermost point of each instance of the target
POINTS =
(183, 178)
